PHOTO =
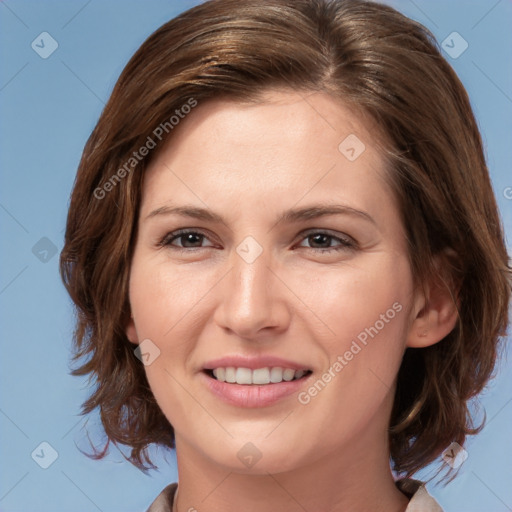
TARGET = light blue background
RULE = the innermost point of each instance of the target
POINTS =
(48, 107)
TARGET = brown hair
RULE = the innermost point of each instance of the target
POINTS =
(372, 58)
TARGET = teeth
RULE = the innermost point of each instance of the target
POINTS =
(230, 375)
(276, 374)
(220, 374)
(259, 376)
(288, 374)
(243, 376)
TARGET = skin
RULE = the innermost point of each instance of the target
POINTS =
(249, 163)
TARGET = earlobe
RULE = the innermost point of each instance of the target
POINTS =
(437, 317)
(131, 332)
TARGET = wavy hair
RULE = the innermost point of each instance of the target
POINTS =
(372, 58)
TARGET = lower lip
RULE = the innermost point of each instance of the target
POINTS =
(254, 395)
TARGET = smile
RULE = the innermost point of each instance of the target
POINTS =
(257, 376)
(255, 387)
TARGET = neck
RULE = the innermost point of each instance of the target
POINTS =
(354, 478)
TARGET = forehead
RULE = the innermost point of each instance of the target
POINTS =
(285, 146)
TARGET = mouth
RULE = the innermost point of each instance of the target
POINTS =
(258, 376)
(256, 387)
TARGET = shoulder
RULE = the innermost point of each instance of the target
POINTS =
(420, 499)
(163, 502)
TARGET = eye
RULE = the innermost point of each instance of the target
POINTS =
(190, 239)
(193, 239)
(324, 239)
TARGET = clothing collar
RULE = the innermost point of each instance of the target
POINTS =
(419, 498)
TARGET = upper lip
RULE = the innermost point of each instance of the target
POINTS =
(253, 362)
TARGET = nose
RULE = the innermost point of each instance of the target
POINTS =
(255, 302)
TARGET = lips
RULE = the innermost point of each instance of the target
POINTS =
(254, 362)
(254, 382)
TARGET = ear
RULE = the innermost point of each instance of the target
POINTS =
(436, 308)
(131, 331)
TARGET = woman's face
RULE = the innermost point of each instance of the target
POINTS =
(266, 287)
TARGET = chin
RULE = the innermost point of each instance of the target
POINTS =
(256, 457)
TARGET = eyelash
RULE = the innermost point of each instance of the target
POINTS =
(345, 243)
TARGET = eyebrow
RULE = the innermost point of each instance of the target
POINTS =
(288, 216)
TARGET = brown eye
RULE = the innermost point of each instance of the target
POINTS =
(188, 240)
(324, 240)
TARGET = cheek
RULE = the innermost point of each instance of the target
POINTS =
(363, 298)
(164, 298)
(366, 307)
(164, 305)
